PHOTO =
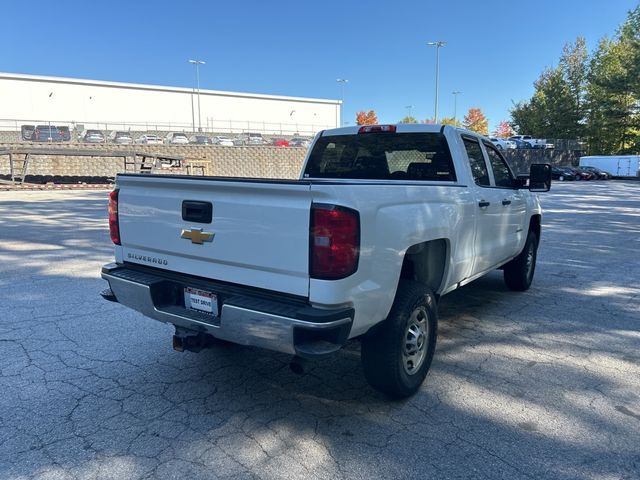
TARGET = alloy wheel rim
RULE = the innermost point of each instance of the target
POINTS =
(415, 341)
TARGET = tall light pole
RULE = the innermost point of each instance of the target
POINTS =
(342, 82)
(437, 44)
(197, 63)
(455, 105)
(409, 108)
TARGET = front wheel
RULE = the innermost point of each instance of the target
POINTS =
(518, 273)
(397, 355)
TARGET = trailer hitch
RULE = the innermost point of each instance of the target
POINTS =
(191, 340)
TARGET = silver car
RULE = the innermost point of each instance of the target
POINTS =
(92, 136)
(120, 138)
(149, 139)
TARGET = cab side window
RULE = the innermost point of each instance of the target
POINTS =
(476, 159)
(501, 172)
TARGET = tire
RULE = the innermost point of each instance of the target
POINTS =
(518, 273)
(412, 326)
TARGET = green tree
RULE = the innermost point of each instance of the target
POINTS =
(574, 66)
(527, 117)
(549, 112)
(612, 99)
(557, 107)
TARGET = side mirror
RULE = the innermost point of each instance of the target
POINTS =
(540, 177)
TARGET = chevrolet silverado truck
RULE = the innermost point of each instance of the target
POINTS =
(382, 222)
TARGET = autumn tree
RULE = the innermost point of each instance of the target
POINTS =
(503, 130)
(409, 119)
(450, 121)
(475, 121)
(369, 118)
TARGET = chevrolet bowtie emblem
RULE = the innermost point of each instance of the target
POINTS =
(196, 235)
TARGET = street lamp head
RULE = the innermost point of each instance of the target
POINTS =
(456, 92)
(342, 80)
(197, 62)
(437, 43)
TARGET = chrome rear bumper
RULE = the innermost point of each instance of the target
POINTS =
(245, 318)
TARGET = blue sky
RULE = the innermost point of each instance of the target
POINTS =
(495, 50)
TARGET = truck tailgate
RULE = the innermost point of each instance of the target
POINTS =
(260, 229)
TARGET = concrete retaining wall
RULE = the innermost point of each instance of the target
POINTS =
(258, 162)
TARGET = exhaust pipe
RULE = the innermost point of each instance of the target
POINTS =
(298, 365)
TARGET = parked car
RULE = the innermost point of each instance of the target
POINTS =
(176, 138)
(200, 140)
(503, 144)
(224, 141)
(299, 142)
(347, 252)
(92, 136)
(601, 174)
(149, 139)
(520, 144)
(46, 133)
(583, 174)
(121, 138)
(279, 142)
(563, 174)
(65, 133)
(27, 131)
(249, 139)
(534, 142)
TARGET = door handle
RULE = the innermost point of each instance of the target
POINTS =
(506, 202)
(483, 204)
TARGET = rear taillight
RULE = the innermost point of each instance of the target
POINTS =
(114, 226)
(377, 129)
(334, 243)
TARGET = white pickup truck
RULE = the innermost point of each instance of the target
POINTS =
(384, 220)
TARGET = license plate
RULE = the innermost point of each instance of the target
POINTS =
(201, 300)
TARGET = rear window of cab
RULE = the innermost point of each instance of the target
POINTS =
(382, 156)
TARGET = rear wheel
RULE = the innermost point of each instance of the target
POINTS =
(397, 355)
(518, 273)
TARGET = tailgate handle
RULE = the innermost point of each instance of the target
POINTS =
(199, 212)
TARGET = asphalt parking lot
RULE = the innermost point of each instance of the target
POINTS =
(542, 384)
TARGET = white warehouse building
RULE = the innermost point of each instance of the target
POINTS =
(31, 99)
